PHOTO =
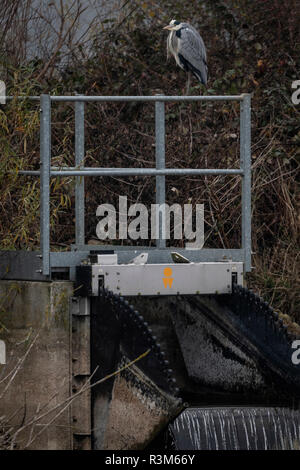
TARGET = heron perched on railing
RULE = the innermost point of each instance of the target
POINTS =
(188, 49)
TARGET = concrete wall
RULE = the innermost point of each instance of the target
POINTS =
(35, 320)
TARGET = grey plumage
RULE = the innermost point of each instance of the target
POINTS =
(187, 46)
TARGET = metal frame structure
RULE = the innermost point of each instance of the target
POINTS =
(158, 254)
(150, 279)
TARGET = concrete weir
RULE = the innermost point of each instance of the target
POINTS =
(66, 383)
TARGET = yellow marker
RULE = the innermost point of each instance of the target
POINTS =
(168, 279)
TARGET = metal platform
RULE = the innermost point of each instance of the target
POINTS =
(41, 265)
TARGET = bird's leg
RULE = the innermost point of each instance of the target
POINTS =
(188, 83)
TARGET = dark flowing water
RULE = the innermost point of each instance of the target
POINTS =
(236, 428)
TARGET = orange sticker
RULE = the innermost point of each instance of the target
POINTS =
(168, 279)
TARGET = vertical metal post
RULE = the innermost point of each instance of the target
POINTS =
(160, 165)
(45, 161)
(81, 370)
(79, 186)
(245, 152)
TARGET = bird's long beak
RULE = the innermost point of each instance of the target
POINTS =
(169, 27)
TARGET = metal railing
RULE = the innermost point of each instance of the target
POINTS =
(70, 259)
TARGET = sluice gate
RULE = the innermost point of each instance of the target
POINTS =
(198, 352)
(173, 342)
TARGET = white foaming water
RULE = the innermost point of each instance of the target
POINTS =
(237, 428)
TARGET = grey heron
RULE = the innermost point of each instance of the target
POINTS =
(187, 46)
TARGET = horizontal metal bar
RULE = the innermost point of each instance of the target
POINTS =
(27, 265)
(213, 254)
(78, 168)
(136, 172)
(32, 98)
(125, 254)
(148, 98)
(148, 172)
(133, 98)
(92, 247)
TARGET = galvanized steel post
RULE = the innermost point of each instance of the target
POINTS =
(45, 161)
(79, 186)
(245, 155)
(160, 165)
